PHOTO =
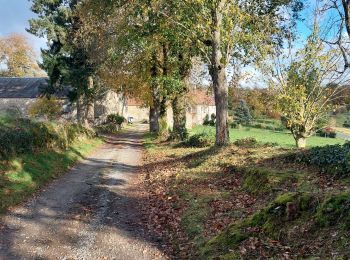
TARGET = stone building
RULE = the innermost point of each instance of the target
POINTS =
(201, 103)
(20, 93)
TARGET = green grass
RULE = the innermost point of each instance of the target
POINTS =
(267, 136)
(24, 175)
(149, 140)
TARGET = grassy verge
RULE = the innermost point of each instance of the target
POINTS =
(241, 202)
(25, 174)
(267, 136)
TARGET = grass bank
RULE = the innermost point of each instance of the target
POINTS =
(282, 139)
(34, 153)
(243, 202)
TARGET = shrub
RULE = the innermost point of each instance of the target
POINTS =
(50, 108)
(199, 140)
(115, 119)
(246, 142)
(326, 132)
(26, 136)
(346, 124)
(334, 159)
(210, 121)
(236, 125)
(163, 129)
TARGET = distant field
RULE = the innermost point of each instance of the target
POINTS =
(268, 136)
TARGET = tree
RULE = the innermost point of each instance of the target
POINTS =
(65, 61)
(141, 49)
(17, 57)
(242, 113)
(303, 96)
(339, 22)
(224, 31)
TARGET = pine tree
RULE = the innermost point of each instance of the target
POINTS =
(242, 113)
(65, 62)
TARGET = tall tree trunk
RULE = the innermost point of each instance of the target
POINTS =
(154, 114)
(179, 105)
(179, 117)
(89, 116)
(79, 110)
(154, 119)
(218, 75)
(300, 141)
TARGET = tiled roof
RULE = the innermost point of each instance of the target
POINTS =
(24, 87)
(134, 102)
(201, 97)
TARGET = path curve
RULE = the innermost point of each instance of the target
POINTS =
(87, 214)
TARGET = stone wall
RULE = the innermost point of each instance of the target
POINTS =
(20, 105)
(110, 103)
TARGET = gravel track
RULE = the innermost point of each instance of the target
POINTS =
(90, 213)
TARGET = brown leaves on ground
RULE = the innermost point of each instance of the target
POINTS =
(193, 194)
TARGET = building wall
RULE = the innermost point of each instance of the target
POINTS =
(199, 112)
(18, 104)
(138, 113)
(111, 103)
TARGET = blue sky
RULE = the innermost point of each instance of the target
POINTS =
(14, 16)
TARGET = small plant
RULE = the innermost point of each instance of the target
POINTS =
(199, 140)
(210, 121)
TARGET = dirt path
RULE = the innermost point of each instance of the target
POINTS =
(90, 213)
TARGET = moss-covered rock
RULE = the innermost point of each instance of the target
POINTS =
(256, 181)
(335, 210)
(272, 220)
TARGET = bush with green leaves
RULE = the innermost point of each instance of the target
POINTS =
(327, 132)
(49, 108)
(28, 136)
(211, 121)
(332, 159)
(115, 119)
(347, 123)
(236, 125)
(199, 140)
